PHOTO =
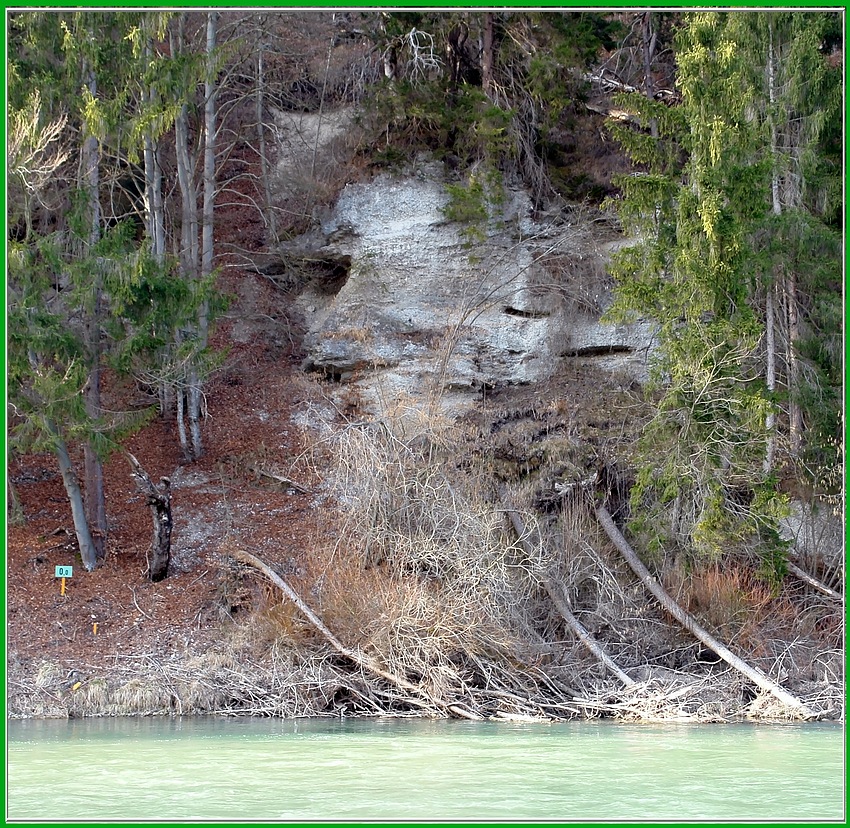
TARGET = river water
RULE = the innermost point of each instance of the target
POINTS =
(263, 769)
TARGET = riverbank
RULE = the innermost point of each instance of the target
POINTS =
(290, 686)
(445, 601)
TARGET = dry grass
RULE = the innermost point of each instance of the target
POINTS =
(360, 333)
(729, 599)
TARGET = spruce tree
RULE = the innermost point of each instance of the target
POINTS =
(715, 203)
(85, 294)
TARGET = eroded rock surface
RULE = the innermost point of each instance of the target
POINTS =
(431, 311)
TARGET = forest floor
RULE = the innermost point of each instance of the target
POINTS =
(114, 612)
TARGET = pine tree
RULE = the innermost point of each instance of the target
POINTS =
(84, 294)
(715, 202)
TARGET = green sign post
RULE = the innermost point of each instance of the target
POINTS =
(64, 572)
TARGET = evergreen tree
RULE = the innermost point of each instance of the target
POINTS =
(84, 293)
(718, 205)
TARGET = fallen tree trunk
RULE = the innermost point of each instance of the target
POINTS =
(561, 604)
(362, 661)
(285, 481)
(689, 622)
(812, 581)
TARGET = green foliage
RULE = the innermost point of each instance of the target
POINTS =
(52, 293)
(534, 84)
(422, 116)
(466, 202)
(577, 37)
(709, 244)
(471, 202)
(70, 281)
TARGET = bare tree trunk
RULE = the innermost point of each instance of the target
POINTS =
(770, 339)
(95, 500)
(180, 397)
(209, 166)
(194, 396)
(649, 37)
(271, 221)
(688, 621)
(194, 408)
(813, 582)
(154, 207)
(560, 600)
(770, 312)
(189, 249)
(14, 509)
(159, 500)
(796, 412)
(165, 394)
(788, 281)
(88, 550)
(487, 55)
(361, 660)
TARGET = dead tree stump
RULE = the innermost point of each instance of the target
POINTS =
(159, 500)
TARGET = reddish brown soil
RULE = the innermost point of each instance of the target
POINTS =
(217, 502)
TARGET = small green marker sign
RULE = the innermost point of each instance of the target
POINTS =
(64, 571)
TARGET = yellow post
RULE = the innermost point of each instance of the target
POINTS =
(94, 628)
(62, 588)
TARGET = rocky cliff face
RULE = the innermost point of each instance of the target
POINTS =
(409, 305)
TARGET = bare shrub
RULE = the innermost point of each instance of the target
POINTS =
(423, 561)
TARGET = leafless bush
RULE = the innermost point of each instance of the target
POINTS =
(589, 579)
(413, 514)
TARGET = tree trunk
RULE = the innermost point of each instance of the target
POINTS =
(770, 346)
(361, 660)
(813, 582)
(688, 621)
(487, 56)
(770, 313)
(88, 550)
(14, 509)
(189, 249)
(271, 222)
(194, 396)
(181, 425)
(795, 411)
(209, 167)
(154, 207)
(159, 500)
(95, 500)
(649, 39)
(194, 407)
(792, 196)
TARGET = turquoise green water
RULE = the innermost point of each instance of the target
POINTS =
(244, 769)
